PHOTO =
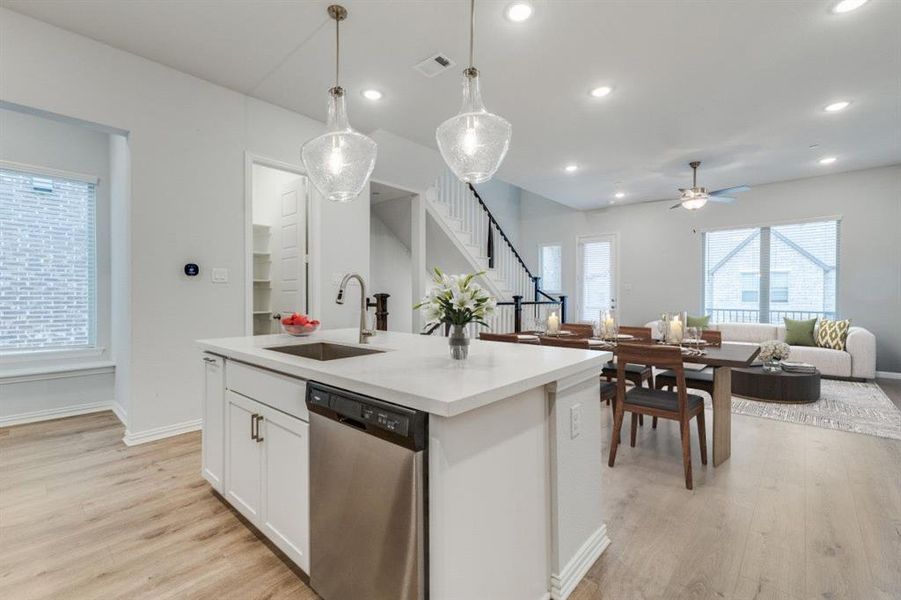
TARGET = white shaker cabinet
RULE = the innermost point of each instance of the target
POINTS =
(267, 473)
(213, 410)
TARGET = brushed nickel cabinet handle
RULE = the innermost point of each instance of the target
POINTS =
(253, 431)
(259, 420)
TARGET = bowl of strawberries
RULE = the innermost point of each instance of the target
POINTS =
(299, 324)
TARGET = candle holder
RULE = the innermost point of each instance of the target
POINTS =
(675, 327)
(608, 325)
(553, 324)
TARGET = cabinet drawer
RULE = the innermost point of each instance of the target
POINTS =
(281, 392)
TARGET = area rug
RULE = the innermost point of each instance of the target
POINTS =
(858, 407)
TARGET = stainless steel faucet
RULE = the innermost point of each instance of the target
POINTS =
(365, 334)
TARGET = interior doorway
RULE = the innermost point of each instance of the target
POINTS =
(390, 258)
(278, 277)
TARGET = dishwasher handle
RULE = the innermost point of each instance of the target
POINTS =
(353, 423)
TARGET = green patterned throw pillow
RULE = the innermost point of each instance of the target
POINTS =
(702, 322)
(800, 333)
(833, 334)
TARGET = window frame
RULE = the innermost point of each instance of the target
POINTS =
(96, 350)
(769, 225)
(541, 248)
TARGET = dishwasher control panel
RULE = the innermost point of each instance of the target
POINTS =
(367, 413)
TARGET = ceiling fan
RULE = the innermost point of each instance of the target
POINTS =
(696, 197)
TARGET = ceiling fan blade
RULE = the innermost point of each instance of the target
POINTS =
(675, 206)
(732, 190)
(723, 199)
(682, 190)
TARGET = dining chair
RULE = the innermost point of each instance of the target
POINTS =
(581, 330)
(608, 389)
(512, 338)
(677, 405)
(636, 374)
(695, 379)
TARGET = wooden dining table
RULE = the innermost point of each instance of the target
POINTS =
(723, 358)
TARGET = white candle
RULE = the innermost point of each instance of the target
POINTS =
(675, 329)
(553, 324)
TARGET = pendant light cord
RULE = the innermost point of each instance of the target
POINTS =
(337, 50)
(472, 28)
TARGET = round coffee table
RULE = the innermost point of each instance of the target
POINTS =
(791, 388)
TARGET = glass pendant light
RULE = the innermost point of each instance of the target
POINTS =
(340, 161)
(473, 143)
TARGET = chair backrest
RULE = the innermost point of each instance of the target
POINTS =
(662, 357)
(498, 337)
(566, 342)
(714, 338)
(639, 333)
(580, 329)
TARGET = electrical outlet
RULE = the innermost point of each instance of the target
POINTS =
(575, 421)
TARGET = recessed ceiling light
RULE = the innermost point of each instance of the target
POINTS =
(620, 194)
(571, 168)
(519, 11)
(600, 92)
(828, 160)
(372, 94)
(837, 106)
(847, 6)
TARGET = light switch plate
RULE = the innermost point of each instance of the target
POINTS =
(575, 421)
(219, 275)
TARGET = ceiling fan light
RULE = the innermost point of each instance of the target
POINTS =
(695, 202)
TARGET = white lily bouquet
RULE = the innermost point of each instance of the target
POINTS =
(773, 351)
(456, 300)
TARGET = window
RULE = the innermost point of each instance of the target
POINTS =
(750, 287)
(765, 274)
(779, 286)
(47, 261)
(596, 271)
(551, 259)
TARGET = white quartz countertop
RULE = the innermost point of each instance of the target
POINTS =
(417, 371)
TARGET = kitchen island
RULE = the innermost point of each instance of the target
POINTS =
(513, 450)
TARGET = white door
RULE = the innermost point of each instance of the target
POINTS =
(213, 444)
(286, 495)
(289, 252)
(243, 467)
(597, 277)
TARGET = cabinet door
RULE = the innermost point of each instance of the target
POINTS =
(214, 421)
(286, 497)
(243, 456)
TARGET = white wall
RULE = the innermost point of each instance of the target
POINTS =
(43, 142)
(187, 140)
(660, 249)
(391, 273)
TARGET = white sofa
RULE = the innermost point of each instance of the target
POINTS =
(857, 361)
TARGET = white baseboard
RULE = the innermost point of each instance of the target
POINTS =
(887, 375)
(54, 413)
(563, 584)
(151, 435)
(120, 413)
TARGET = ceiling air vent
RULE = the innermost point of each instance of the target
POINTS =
(434, 65)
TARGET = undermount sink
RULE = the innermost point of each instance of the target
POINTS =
(324, 351)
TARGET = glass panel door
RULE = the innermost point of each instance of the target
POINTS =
(597, 276)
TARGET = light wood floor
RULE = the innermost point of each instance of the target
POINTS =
(797, 513)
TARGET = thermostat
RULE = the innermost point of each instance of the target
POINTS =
(192, 270)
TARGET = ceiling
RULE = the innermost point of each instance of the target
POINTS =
(739, 85)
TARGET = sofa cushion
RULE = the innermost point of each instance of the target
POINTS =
(800, 333)
(833, 334)
(746, 332)
(834, 363)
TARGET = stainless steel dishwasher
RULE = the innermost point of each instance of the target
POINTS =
(368, 505)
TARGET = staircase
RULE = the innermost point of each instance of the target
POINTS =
(463, 216)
